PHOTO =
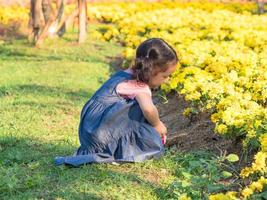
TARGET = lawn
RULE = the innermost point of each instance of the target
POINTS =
(42, 91)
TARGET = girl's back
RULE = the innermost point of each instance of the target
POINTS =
(113, 128)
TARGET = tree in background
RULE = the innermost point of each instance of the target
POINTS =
(35, 19)
(82, 20)
(46, 21)
(261, 4)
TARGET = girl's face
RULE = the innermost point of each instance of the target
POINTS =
(162, 77)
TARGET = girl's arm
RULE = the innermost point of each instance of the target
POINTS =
(151, 114)
(148, 108)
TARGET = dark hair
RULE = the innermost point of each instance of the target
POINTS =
(152, 55)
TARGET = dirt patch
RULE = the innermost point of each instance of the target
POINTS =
(194, 133)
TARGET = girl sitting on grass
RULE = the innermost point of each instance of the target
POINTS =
(120, 123)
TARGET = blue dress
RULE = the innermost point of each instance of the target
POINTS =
(114, 129)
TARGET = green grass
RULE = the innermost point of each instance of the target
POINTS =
(42, 92)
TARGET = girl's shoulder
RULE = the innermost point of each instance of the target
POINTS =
(129, 70)
(134, 83)
(130, 88)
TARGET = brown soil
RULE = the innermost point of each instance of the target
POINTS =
(187, 134)
(195, 132)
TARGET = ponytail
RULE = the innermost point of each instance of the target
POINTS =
(142, 69)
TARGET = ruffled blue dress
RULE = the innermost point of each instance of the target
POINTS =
(114, 129)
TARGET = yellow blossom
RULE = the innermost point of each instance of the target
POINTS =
(221, 128)
(247, 192)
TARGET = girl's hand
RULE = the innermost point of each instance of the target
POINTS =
(164, 139)
(162, 130)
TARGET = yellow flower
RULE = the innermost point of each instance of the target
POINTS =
(238, 123)
(251, 134)
(260, 162)
(184, 197)
(173, 83)
(193, 96)
(263, 180)
(263, 141)
(256, 186)
(246, 172)
(232, 195)
(215, 117)
(259, 165)
(187, 111)
(220, 196)
(247, 192)
(221, 128)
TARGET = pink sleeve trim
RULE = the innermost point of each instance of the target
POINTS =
(130, 88)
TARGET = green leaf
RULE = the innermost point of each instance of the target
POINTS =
(185, 183)
(232, 157)
(227, 174)
(264, 195)
(194, 163)
(214, 188)
(186, 175)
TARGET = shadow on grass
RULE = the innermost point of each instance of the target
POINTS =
(27, 171)
(8, 54)
(23, 55)
(41, 90)
(24, 51)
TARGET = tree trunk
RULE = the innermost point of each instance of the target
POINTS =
(30, 23)
(44, 33)
(47, 9)
(60, 8)
(55, 21)
(60, 17)
(82, 20)
(260, 4)
(35, 19)
(66, 22)
(51, 25)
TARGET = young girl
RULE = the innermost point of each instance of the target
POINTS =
(120, 123)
